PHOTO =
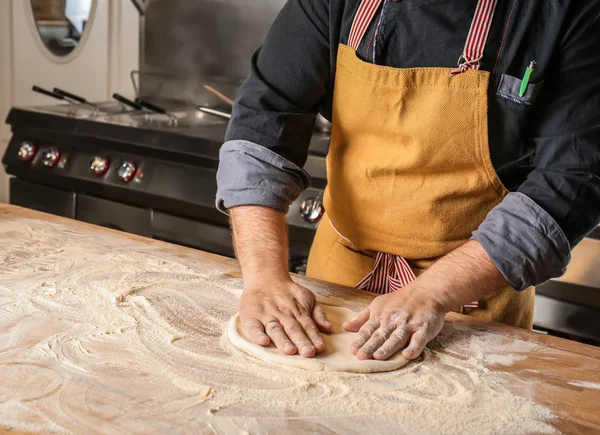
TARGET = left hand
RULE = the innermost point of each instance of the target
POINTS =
(409, 316)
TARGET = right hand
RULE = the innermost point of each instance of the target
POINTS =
(284, 313)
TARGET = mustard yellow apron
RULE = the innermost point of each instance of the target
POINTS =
(409, 169)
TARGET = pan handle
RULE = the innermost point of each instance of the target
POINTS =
(70, 96)
(121, 99)
(219, 94)
(47, 92)
(214, 112)
(150, 106)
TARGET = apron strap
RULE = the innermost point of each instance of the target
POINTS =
(362, 19)
(390, 273)
(476, 39)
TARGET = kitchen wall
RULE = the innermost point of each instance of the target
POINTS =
(101, 68)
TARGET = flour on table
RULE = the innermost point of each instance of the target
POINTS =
(336, 357)
(99, 333)
(584, 384)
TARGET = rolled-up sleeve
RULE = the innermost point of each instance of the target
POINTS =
(274, 113)
(530, 234)
(524, 242)
(250, 174)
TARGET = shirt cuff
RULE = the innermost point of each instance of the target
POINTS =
(524, 242)
(250, 174)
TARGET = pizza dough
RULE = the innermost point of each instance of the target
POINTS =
(335, 358)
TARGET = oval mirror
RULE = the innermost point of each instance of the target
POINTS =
(61, 23)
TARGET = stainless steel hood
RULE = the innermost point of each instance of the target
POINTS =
(195, 39)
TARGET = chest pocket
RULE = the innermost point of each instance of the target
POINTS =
(509, 87)
(509, 128)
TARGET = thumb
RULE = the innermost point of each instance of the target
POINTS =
(356, 324)
(321, 320)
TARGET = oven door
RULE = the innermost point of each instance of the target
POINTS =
(115, 215)
(192, 233)
(42, 198)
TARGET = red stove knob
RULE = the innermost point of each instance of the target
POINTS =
(27, 151)
(50, 157)
(127, 171)
(99, 166)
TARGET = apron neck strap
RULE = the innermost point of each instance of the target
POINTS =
(362, 19)
(476, 40)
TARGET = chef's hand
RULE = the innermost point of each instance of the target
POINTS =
(407, 317)
(284, 313)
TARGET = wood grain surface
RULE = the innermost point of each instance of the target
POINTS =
(61, 394)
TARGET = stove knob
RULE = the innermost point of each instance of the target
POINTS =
(50, 157)
(27, 151)
(312, 210)
(99, 166)
(127, 171)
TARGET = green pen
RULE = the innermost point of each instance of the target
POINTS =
(526, 78)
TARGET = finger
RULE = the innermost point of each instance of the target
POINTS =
(394, 343)
(379, 337)
(320, 318)
(418, 341)
(312, 332)
(276, 332)
(365, 332)
(358, 322)
(294, 330)
(256, 332)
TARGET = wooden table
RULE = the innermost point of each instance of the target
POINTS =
(102, 331)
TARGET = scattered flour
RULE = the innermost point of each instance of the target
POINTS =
(591, 385)
(102, 334)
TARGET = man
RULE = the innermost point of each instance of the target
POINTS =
(450, 187)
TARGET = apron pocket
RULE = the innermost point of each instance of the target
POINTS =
(509, 88)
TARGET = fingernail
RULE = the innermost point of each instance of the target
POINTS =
(319, 344)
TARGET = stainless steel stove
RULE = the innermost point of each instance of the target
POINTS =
(139, 172)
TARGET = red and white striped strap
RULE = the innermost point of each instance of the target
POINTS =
(391, 273)
(477, 38)
(362, 19)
